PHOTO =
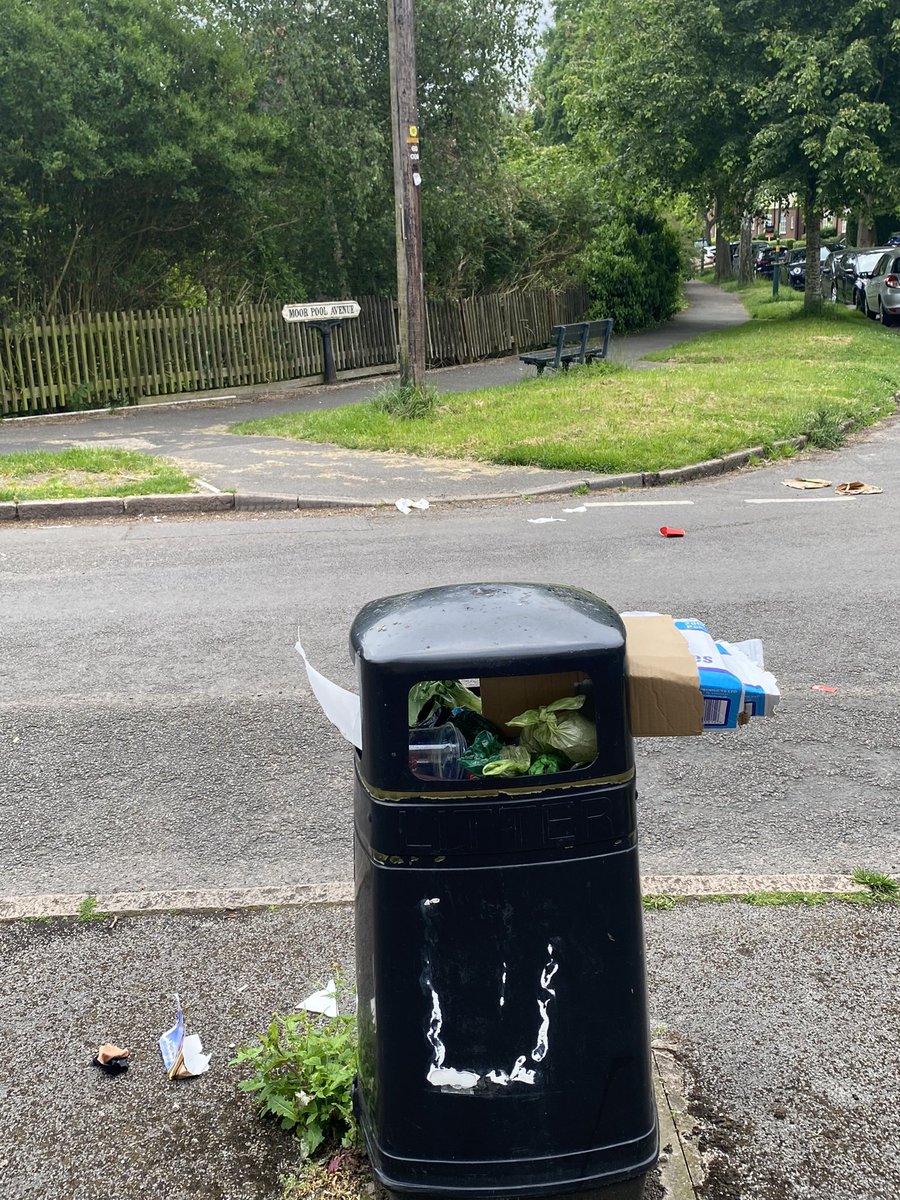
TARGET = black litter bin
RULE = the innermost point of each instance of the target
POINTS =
(504, 1044)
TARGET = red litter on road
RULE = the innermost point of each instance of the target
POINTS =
(671, 531)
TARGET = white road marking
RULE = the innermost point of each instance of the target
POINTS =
(635, 503)
(802, 500)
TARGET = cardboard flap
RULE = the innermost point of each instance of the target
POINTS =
(663, 684)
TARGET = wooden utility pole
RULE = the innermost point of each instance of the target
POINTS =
(407, 185)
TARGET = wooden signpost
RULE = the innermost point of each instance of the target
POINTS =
(324, 315)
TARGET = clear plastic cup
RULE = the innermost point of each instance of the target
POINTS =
(435, 753)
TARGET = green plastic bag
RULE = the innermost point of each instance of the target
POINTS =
(484, 748)
(548, 764)
(513, 760)
(450, 692)
(558, 726)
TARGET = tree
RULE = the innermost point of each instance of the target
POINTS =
(823, 105)
(129, 143)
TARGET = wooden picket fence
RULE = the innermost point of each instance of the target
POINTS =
(89, 360)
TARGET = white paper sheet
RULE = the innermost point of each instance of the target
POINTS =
(324, 1001)
(339, 706)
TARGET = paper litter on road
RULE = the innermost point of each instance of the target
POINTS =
(545, 520)
(581, 508)
(112, 1059)
(323, 1001)
(182, 1054)
(857, 488)
(339, 706)
(803, 484)
(406, 506)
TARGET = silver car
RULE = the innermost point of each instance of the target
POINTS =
(882, 294)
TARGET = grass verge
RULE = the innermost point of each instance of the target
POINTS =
(780, 375)
(79, 471)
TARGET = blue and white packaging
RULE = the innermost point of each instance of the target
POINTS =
(761, 692)
(722, 689)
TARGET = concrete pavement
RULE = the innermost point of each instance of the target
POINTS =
(775, 1024)
(197, 437)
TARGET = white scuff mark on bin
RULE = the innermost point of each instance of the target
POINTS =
(519, 1074)
(503, 986)
(499, 1077)
(542, 1044)
(433, 900)
(439, 1075)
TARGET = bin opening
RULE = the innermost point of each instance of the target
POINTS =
(501, 726)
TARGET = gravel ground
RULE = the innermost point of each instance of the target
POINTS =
(69, 1132)
(786, 1019)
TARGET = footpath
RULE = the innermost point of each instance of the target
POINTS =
(275, 472)
(775, 1031)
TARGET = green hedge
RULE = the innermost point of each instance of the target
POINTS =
(633, 272)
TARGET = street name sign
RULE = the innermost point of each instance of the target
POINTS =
(327, 310)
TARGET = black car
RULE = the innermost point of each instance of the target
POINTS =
(763, 260)
(851, 270)
(797, 272)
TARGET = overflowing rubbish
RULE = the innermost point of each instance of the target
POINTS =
(681, 681)
(669, 531)
(182, 1053)
(323, 1001)
(406, 506)
(803, 484)
(435, 752)
(112, 1059)
(857, 488)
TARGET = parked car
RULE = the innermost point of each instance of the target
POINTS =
(851, 269)
(882, 289)
(894, 239)
(797, 272)
(763, 260)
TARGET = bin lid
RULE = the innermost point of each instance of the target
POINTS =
(484, 625)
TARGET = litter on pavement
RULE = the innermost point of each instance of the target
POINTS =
(182, 1054)
(821, 687)
(112, 1059)
(857, 488)
(668, 531)
(406, 506)
(323, 1001)
(545, 520)
(806, 484)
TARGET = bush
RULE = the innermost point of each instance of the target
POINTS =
(302, 1069)
(634, 271)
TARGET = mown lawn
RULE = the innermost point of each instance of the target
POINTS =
(58, 474)
(779, 375)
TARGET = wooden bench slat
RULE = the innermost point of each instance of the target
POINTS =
(572, 343)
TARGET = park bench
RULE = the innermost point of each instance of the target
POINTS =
(582, 342)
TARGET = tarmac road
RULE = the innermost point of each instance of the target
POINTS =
(157, 730)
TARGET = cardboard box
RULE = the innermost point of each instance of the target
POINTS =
(663, 684)
(508, 696)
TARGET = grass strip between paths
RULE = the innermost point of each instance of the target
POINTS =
(81, 471)
(780, 375)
